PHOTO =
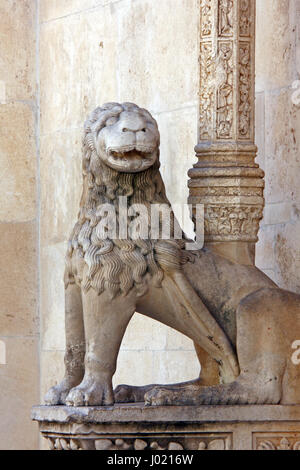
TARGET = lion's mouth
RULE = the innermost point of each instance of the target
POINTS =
(131, 158)
(130, 154)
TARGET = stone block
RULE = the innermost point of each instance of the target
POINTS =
(61, 181)
(147, 367)
(282, 140)
(52, 370)
(287, 256)
(260, 128)
(278, 213)
(143, 333)
(150, 48)
(18, 274)
(17, 50)
(83, 49)
(175, 366)
(274, 51)
(19, 386)
(18, 163)
(264, 258)
(52, 297)
(58, 9)
(177, 341)
(135, 368)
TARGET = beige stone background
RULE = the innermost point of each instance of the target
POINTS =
(58, 60)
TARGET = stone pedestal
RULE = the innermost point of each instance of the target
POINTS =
(136, 427)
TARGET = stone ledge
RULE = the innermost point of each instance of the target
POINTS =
(137, 427)
(140, 413)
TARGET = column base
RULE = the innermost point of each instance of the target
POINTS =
(237, 252)
(136, 427)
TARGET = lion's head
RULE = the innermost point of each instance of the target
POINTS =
(120, 158)
(124, 137)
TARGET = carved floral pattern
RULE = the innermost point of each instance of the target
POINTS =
(206, 92)
(245, 18)
(232, 222)
(206, 18)
(284, 444)
(226, 98)
(227, 114)
(215, 444)
(63, 444)
(245, 108)
(224, 75)
(137, 444)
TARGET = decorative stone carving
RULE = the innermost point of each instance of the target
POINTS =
(207, 93)
(245, 85)
(232, 223)
(206, 15)
(245, 18)
(131, 444)
(231, 188)
(136, 427)
(224, 72)
(65, 443)
(226, 128)
(234, 313)
(227, 63)
(277, 441)
(225, 17)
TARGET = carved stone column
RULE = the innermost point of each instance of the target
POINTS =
(226, 179)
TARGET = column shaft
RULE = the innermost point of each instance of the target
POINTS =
(226, 179)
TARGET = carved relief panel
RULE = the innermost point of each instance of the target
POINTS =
(226, 70)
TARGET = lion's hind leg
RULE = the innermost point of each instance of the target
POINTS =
(243, 391)
(136, 394)
(262, 348)
(210, 375)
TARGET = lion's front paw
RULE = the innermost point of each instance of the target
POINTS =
(57, 395)
(91, 393)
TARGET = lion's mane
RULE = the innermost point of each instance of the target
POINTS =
(116, 264)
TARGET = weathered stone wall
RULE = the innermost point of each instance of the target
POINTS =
(19, 359)
(278, 138)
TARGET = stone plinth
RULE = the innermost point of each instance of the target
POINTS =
(136, 427)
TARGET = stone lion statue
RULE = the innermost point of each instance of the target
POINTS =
(242, 324)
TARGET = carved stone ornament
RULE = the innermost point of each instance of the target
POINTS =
(277, 441)
(148, 444)
(200, 294)
(135, 427)
(242, 324)
(65, 443)
(226, 179)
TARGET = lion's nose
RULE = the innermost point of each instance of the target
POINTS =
(133, 123)
(125, 129)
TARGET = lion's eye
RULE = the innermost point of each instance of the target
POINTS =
(111, 121)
